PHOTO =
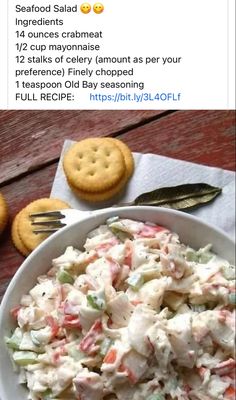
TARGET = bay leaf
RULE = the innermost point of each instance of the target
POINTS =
(181, 197)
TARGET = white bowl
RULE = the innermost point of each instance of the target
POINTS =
(191, 230)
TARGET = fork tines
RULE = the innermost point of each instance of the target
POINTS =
(53, 214)
(41, 230)
(52, 224)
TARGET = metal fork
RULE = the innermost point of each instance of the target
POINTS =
(52, 221)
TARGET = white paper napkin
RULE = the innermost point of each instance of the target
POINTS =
(153, 171)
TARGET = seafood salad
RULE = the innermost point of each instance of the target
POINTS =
(136, 315)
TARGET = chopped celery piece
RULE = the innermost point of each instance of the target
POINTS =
(120, 234)
(156, 397)
(15, 340)
(24, 358)
(105, 345)
(97, 301)
(47, 395)
(229, 272)
(204, 254)
(112, 219)
(191, 255)
(75, 353)
(135, 281)
(232, 298)
(64, 277)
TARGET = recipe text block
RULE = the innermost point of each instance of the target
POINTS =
(160, 54)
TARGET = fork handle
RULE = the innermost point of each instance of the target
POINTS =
(74, 215)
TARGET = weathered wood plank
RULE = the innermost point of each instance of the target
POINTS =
(205, 137)
(35, 137)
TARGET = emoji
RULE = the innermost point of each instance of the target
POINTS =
(85, 8)
(98, 8)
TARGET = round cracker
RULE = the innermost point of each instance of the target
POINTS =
(3, 213)
(128, 156)
(25, 229)
(94, 165)
(100, 196)
(16, 238)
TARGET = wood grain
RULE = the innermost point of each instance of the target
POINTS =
(36, 137)
(205, 137)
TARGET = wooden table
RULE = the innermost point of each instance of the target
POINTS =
(31, 142)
